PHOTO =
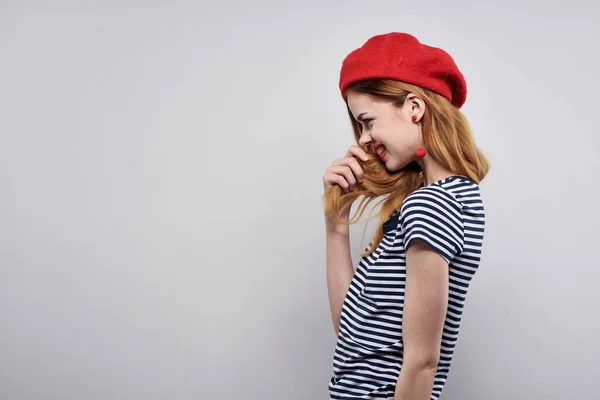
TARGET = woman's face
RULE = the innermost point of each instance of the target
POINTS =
(391, 130)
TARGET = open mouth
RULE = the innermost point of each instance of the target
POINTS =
(381, 150)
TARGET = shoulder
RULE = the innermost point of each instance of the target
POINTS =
(434, 215)
(433, 198)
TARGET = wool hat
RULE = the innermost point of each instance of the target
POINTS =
(400, 56)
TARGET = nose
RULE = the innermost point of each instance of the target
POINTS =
(365, 138)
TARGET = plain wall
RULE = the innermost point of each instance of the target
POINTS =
(161, 230)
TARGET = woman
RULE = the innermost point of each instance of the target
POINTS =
(397, 317)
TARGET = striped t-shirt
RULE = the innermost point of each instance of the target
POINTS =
(449, 215)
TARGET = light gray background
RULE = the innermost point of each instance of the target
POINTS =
(161, 233)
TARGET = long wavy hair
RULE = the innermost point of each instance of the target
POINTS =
(447, 137)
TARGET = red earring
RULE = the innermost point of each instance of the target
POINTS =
(414, 118)
(421, 152)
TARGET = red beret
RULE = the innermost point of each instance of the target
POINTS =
(402, 57)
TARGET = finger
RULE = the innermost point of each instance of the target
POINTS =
(346, 172)
(341, 182)
(354, 166)
(357, 152)
(331, 179)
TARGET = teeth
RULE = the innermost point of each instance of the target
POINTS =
(380, 150)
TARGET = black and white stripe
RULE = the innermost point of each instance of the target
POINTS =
(449, 215)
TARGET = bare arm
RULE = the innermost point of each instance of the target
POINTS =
(345, 173)
(425, 303)
(339, 269)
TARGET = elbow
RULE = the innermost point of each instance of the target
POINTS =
(422, 361)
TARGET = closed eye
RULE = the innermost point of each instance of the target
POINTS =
(368, 123)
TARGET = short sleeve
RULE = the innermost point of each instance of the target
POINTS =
(434, 216)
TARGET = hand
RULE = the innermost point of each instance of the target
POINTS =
(345, 172)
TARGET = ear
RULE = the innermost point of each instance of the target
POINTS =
(415, 105)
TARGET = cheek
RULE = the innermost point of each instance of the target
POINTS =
(400, 137)
(408, 135)
(402, 143)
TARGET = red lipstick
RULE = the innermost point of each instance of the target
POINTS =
(377, 147)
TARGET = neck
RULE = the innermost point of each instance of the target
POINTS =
(433, 171)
